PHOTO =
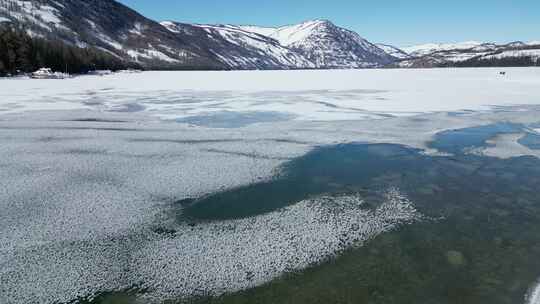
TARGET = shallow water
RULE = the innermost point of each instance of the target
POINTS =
(335, 169)
(481, 247)
(531, 141)
(458, 141)
(479, 243)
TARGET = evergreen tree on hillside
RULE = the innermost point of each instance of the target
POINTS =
(522, 61)
(20, 52)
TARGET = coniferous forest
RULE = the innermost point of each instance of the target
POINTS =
(21, 53)
(523, 61)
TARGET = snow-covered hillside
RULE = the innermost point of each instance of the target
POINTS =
(327, 45)
(109, 26)
(44, 15)
(241, 49)
(291, 34)
(534, 53)
(471, 53)
(118, 30)
(429, 48)
(393, 51)
(311, 44)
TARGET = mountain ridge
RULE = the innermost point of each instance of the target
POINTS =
(240, 49)
(110, 26)
(122, 32)
(471, 54)
(311, 44)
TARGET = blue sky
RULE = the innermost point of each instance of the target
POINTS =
(397, 22)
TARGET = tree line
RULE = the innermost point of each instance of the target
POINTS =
(521, 61)
(21, 53)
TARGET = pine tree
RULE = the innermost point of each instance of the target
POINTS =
(2, 68)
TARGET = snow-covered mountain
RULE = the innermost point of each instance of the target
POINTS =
(111, 27)
(118, 30)
(327, 45)
(242, 49)
(429, 48)
(393, 51)
(471, 53)
(312, 44)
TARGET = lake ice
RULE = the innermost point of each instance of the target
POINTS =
(90, 166)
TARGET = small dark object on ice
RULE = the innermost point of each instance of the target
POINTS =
(502, 73)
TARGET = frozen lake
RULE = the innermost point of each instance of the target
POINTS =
(299, 95)
(244, 185)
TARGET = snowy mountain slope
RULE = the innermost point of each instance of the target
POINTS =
(118, 30)
(429, 48)
(124, 33)
(471, 54)
(327, 45)
(532, 53)
(241, 49)
(44, 15)
(312, 44)
(296, 34)
(261, 30)
(393, 51)
(110, 26)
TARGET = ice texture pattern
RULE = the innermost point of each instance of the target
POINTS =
(90, 167)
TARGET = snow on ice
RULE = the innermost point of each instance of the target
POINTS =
(307, 95)
(90, 166)
(534, 296)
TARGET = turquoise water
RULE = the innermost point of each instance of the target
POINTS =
(480, 246)
(456, 141)
(530, 140)
(337, 169)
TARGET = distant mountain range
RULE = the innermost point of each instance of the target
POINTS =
(471, 53)
(318, 44)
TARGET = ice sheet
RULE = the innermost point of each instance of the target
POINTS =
(84, 184)
(305, 95)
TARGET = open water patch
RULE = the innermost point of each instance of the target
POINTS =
(461, 140)
(531, 141)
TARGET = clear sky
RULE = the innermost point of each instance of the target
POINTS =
(397, 22)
